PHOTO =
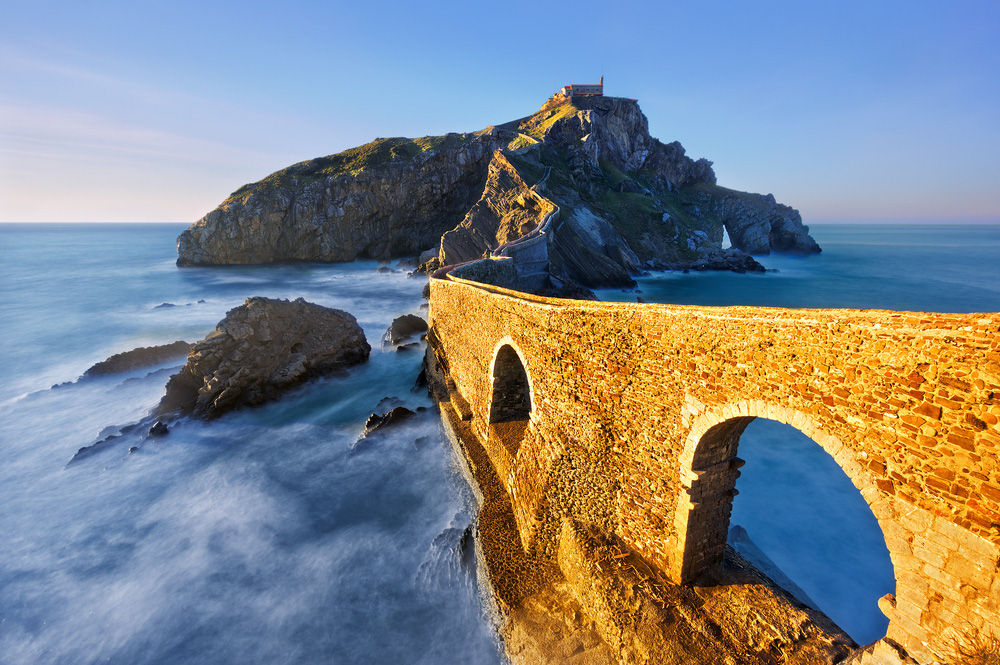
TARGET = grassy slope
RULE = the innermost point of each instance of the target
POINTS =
(355, 160)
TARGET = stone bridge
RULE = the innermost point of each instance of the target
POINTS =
(627, 417)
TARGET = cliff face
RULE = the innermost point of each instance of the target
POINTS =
(507, 210)
(625, 200)
(394, 199)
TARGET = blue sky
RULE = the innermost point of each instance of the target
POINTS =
(156, 111)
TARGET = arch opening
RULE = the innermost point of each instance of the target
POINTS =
(510, 403)
(798, 517)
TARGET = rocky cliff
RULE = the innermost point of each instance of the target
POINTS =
(391, 197)
(507, 209)
(622, 199)
(756, 223)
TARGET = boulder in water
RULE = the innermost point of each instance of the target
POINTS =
(261, 349)
(731, 259)
(403, 327)
(392, 417)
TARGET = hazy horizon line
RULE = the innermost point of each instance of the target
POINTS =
(833, 221)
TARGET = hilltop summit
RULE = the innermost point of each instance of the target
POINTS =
(625, 200)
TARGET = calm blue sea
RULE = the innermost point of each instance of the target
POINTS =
(262, 537)
(924, 268)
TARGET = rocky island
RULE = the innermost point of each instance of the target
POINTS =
(609, 199)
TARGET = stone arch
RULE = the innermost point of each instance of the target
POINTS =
(511, 396)
(709, 469)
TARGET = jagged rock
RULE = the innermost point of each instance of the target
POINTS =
(731, 259)
(588, 250)
(143, 356)
(377, 422)
(428, 266)
(427, 255)
(403, 327)
(262, 348)
(420, 383)
(507, 210)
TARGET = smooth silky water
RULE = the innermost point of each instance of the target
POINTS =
(795, 503)
(261, 537)
(264, 537)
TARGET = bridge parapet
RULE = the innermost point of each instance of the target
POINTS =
(636, 411)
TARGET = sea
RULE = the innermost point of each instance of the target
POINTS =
(272, 535)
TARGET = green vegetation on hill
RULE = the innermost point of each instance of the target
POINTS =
(637, 215)
(536, 125)
(355, 160)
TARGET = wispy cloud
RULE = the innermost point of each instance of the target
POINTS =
(57, 133)
(18, 61)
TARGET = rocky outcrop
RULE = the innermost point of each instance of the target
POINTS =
(403, 327)
(143, 356)
(261, 349)
(377, 422)
(586, 249)
(394, 197)
(508, 209)
(731, 259)
(757, 223)
(616, 131)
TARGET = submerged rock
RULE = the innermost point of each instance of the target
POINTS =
(110, 436)
(143, 356)
(377, 424)
(159, 428)
(261, 349)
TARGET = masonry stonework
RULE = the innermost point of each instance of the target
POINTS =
(636, 412)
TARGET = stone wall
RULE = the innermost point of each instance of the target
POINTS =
(636, 412)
